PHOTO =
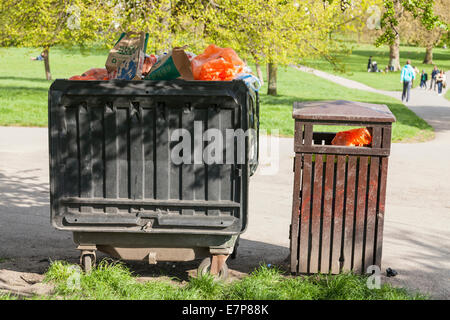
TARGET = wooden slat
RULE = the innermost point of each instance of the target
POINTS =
(295, 213)
(188, 175)
(327, 215)
(298, 134)
(360, 216)
(386, 143)
(376, 137)
(316, 214)
(305, 214)
(369, 251)
(307, 136)
(330, 149)
(381, 210)
(338, 214)
(349, 213)
(371, 218)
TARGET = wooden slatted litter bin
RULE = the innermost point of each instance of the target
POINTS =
(339, 191)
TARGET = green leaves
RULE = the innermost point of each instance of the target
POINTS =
(395, 9)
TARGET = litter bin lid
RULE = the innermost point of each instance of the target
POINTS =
(342, 110)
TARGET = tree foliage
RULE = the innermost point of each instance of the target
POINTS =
(46, 23)
(394, 10)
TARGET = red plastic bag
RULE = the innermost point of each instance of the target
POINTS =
(216, 64)
(149, 61)
(356, 137)
(98, 73)
(82, 78)
(92, 74)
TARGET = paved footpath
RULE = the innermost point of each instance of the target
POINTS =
(417, 224)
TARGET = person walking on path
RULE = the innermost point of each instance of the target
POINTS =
(423, 80)
(407, 79)
(434, 73)
(440, 81)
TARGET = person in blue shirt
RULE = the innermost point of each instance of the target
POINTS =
(407, 79)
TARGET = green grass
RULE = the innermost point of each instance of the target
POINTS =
(356, 64)
(23, 88)
(115, 281)
(294, 85)
(7, 296)
(23, 92)
(447, 94)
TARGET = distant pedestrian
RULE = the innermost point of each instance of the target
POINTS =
(423, 80)
(434, 73)
(39, 57)
(440, 81)
(369, 64)
(407, 79)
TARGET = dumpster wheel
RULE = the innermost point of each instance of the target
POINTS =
(87, 261)
(205, 267)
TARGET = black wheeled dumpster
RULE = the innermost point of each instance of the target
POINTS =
(339, 191)
(152, 170)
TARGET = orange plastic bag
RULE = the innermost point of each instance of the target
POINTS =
(356, 137)
(92, 74)
(83, 78)
(216, 64)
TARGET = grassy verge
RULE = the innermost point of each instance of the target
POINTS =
(23, 92)
(115, 281)
(356, 64)
(447, 94)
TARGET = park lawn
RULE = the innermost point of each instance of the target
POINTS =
(447, 94)
(294, 85)
(356, 64)
(23, 88)
(23, 92)
(113, 280)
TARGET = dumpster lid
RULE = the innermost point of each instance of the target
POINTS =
(342, 110)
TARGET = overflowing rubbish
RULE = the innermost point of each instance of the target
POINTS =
(360, 137)
(127, 60)
(149, 61)
(217, 64)
(174, 65)
(92, 74)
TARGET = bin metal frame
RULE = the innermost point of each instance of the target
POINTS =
(112, 181)
(333, 228)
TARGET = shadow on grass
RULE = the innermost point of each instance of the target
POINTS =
(405, 54)
(25, 79)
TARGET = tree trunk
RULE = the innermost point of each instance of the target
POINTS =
(272, 88)
(394, 54)
(428, 55)
(259, 73)
(48, 75)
